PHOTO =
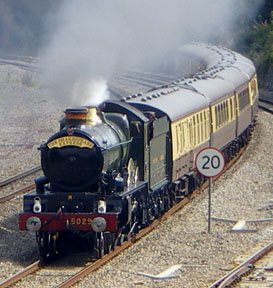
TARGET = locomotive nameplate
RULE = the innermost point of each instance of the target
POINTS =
(70, 141)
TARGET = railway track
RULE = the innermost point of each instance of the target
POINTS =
(262, 273)
(266, 105)
(23, 62)
(11, 180)
(139, 80)
(76, 277)
(19, 176)
(255, 271)
(36, 266)
(20, 275)
(149, 80)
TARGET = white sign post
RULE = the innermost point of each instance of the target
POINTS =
(210, 162)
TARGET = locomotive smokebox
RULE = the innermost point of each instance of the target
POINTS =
(89, 143)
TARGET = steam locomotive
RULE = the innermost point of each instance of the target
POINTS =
(112, 169)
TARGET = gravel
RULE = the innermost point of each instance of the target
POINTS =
(29, 117)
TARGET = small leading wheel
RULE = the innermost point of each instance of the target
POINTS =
(109, 240)
(54, 244)
(100, 244)
(48, 245)
(42, 240)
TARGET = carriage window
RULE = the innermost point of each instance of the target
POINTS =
(216, 117)
(202, 126)
(226, 112)
(190, 128)
(222, 114)
(206, 124)
(198, 128)
(243, 98)
(194, 130)
(253, 88)
(231, 109)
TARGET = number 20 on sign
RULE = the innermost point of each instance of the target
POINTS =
(210, 162)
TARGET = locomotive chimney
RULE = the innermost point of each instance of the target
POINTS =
(80, 116)
(76, 114)
(92, 116)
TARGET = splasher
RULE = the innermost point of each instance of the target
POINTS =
(90, 93)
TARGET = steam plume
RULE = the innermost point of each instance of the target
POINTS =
(90, 93)
(89, 39)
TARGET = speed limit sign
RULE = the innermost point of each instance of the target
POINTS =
(210, 162)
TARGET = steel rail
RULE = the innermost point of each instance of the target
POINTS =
(21, 274)
(29, 59)
(17, 193)
(19, 176)
(266, 105)
(266, 109)
(266, 101)
(167, 78)
(235, 274)
(144, 80)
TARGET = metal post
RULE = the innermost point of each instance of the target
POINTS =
(210, 179)
(209, 210)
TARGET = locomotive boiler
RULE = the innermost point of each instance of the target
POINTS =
(90, 144)
(111, 170)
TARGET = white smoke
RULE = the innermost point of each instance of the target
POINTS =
(90, 93)
(89, 39)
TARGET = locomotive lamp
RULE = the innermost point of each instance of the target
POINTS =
(101, 206)
(33, 224)
(37, 207)
(99, 224)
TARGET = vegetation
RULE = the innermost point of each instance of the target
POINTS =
(256, 39)
(22, 24)
(260, 42)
